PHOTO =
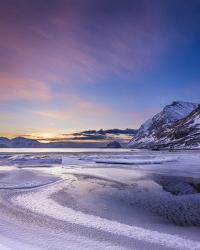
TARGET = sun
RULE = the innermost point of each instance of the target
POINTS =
(42, 137)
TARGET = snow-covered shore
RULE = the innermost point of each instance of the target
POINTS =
(99, 200)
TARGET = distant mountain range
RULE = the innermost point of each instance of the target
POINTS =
(88, 138)
(176, 126)
(21, 142)
(18, 142)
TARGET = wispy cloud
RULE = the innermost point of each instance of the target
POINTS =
(63, 60)
(50, 114)
(12, 88)
(66, 46)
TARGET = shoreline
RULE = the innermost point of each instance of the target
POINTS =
(95, 205)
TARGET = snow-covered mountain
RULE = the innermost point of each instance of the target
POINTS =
(152, 130)
(24, 142)
(18, 142)
(4, 142)
(184, 133)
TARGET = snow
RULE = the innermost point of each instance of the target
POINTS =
(196, 121)
(178, 110)
(113, 195)
(41, 203)
(136, 161)
(22, 160)
(70, 161)
(170, 114)
(130, 160)
(144, 128)
(2, 247)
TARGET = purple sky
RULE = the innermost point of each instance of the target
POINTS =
(89, 64)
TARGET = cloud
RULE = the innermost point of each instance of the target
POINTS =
(122, 135)
(75, 104)
(12, 88)
(106, 135)
(78, 43)
(89, 138)
(113, 131)
(50, 48)
(51, 114)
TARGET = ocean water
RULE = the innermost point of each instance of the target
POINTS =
(62, 150)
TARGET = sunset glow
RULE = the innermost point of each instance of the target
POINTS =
(77, 65)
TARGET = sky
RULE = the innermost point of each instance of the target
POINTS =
(73, 65)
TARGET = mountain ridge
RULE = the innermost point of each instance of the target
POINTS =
(149, 133)
(183, 134)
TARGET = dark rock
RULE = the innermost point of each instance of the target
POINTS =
(114, 144)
